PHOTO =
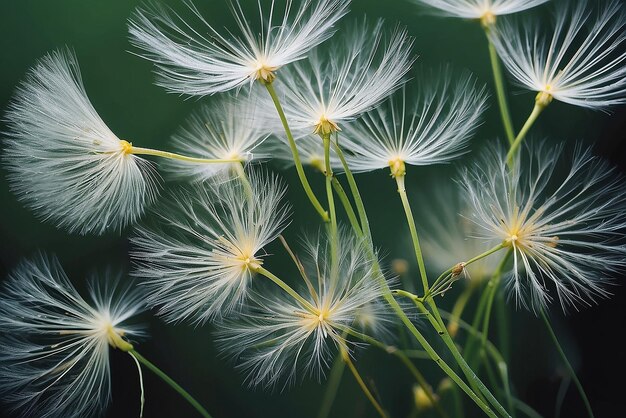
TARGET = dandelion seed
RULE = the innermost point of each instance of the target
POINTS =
(228, 128)
(63, 161)
(485, 10)
(580, 63)
(565, 232)
(432, 128)
(201, 61)
(54, 348)
(279, 334)
(352, 76)
(198, 261)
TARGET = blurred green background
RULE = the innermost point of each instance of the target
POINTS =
(120, 85)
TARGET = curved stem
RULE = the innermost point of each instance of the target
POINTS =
(406, 361)
(492, 289)
(457, 310)
(357, 377)
(285, 287)
(341, 193)
(173, 156)
(394, 304)
(365, 225)
(500, 92)
(510, 157)
(411, 221)
(496, 356)
(333, 385)
(438, 325)
(296, 157)
(464, 264)
(569, 367)
(172, 383)
(328, 172)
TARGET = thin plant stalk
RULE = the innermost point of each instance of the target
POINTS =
(495, 355)
(343, 198)
(328, 172)
(539, 107)
(173, 156)
(172, 383)
(354, 189)
(435, 319)
(413, 229)
(492, 289)
(500, 91)
(296, 156)
(332, 386)
(359, 380)
(387, 294)
(567, 364)
(407, 363)
(288, 289)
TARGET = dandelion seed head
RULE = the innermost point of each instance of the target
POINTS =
(198, 60)
(278, 334)
(229, 127)
(430, 127)
(198, 259)
(580, 61)
(54, 349)
(565, 230)
(485, 10)
(353, 75)
(64, 163)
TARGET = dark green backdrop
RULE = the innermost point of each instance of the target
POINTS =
(121, 88)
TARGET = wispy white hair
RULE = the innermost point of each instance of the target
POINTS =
(565, 229)
(339, 82)
(199, 61)
(475, 9)
(54, 346)
(195, 261)
(449, 236)
(63, 161)
(277, 335)
(579, 61)
(228, 127)
(430, 126)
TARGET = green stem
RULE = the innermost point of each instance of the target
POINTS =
(296, 157)
(172, 383)
(412, 228)
(341, 193)
(539, 107)
(288, 289)
(394, 304)
(496, 356)
(173, 156)
(457, 310)
(439, 326)
(328, 172)
(492, 289)
(569, 367)
(365, 225)
(435, 357)
(405, 360)
(364, 388)
(332, 386)
(500, 92)
(467, 263)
